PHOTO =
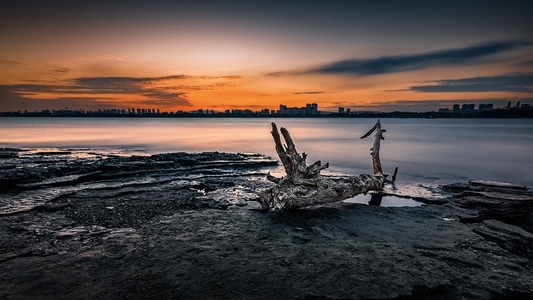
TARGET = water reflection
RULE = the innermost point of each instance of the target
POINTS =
(376, 199)
(427, 151)
(379, 199)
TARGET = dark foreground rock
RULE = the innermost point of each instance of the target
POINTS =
(195, 237)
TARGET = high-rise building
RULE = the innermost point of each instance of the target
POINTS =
(467, 108)
(486, 106)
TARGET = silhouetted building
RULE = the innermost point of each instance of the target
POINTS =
(486, 106)
(468, 108)
(456, 107)
(310, 109)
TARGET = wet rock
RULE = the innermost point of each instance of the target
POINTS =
(35, 181)
(8, 154)
(488, 184)
(49, 207)
(512, 238)
(19, 172)
(482, 200)
(52, 152)
(12, 177)
(208, 202)
(169, 227)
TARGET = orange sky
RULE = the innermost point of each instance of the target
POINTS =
(185, 56)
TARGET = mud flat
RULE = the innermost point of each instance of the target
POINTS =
(183, 226)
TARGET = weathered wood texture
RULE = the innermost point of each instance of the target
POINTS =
(374, 151)
(303, 184)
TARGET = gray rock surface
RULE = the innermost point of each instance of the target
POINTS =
(193, 233)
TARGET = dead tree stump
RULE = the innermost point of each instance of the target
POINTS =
(303, 184)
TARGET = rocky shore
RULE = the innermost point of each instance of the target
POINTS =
(185, 226)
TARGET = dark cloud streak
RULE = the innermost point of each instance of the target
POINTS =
(308, 93)
(521, 82)
(400, 63)
(61, 71)
(110, 81)
(10, 62)
(166, 91)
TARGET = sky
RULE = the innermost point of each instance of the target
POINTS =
(188, 55)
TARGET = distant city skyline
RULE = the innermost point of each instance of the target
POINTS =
(220, 55)
(517, 109)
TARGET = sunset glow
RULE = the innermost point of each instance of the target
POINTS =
(213, 55)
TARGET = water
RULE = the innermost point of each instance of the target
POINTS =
(427, 151)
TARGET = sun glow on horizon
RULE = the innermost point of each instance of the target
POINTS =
(177, 56)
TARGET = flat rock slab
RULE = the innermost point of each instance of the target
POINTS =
(512, 238)
(481, 200)
(484, 184)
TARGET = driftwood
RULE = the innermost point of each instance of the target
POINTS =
(303, 184)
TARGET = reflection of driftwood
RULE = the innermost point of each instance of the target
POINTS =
(303, 184)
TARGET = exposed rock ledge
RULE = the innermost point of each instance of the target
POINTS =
(192, 235)
(482, 199)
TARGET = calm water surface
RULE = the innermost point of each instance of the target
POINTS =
(425, 150)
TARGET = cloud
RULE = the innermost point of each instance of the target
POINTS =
(106, 57)
(308, 93)
(13, 100)
(139, 84)
(164, 91)
(61, 70)
(55, 71)
(401, 63)
(10, 62)
(520, 82)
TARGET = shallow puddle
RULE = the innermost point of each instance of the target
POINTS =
(384, 200)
